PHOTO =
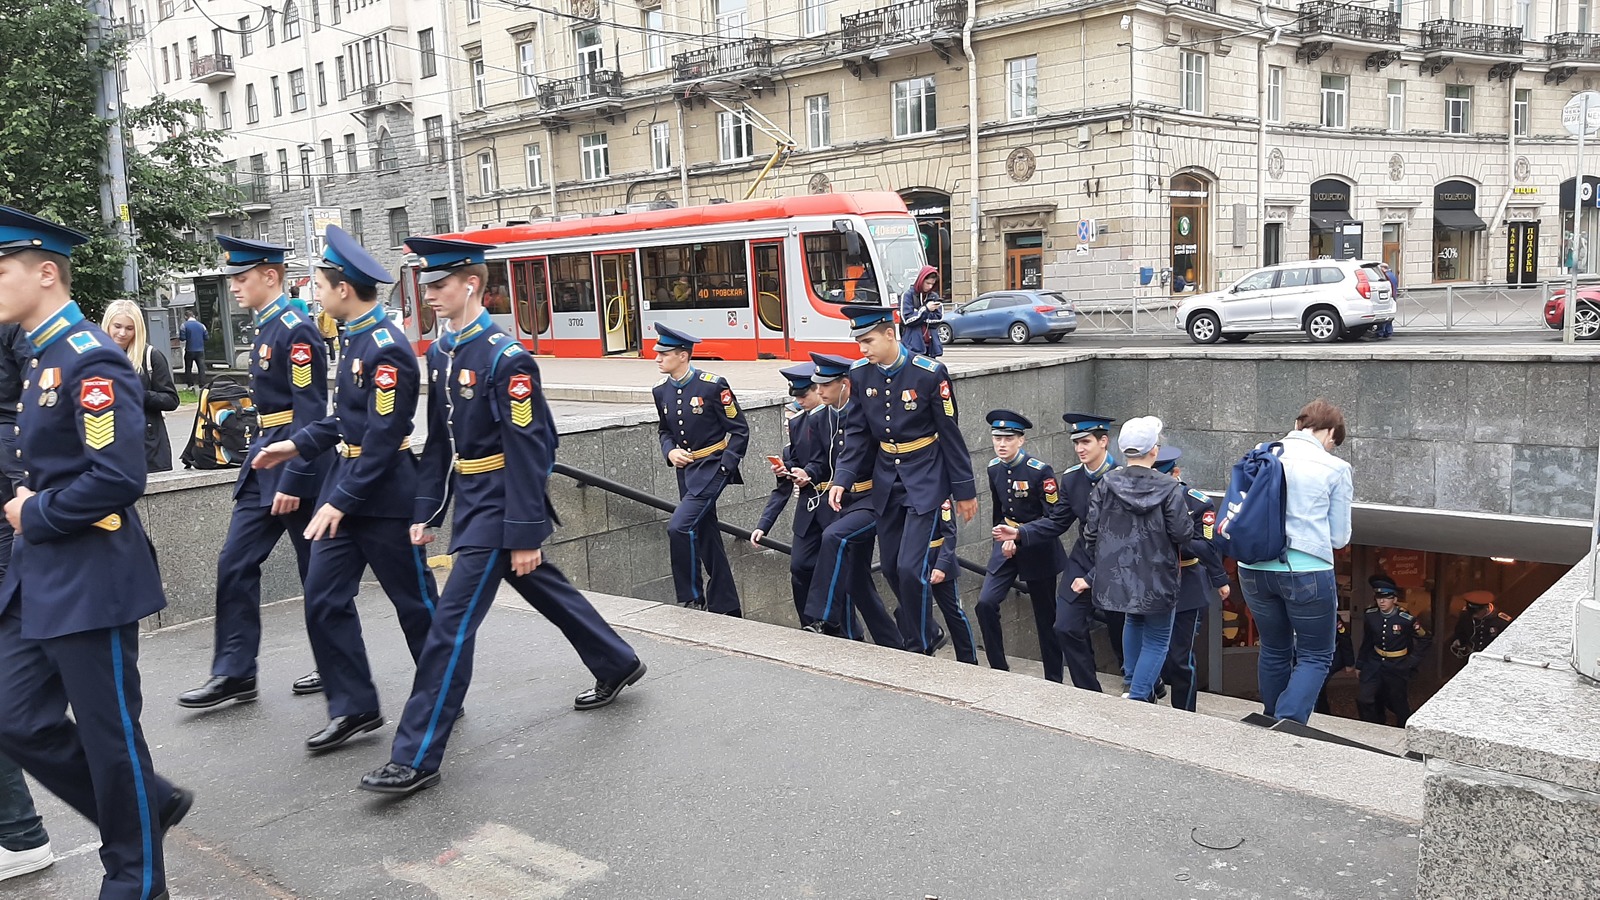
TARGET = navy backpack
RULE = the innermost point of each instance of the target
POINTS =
(1255, 511)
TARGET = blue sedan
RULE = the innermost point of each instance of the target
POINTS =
(1017, 316)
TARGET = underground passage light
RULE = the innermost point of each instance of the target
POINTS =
(1503, 560)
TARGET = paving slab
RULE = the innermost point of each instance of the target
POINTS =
(722, 775)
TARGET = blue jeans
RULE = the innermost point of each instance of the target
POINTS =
(1144, 651)
(20, 826)
(1294, 614)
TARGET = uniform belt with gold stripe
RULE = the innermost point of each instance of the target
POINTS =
(482, 465)
(1393, 654)
(704, 452)
(274, 419)
(352, 451)
(1188, 562)
(856, 488)
(1013, 523)
(110, 523)
(908, 446)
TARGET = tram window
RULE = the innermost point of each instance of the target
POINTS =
(497, 294)
(834, 276)
(572, 283)
(697, 276)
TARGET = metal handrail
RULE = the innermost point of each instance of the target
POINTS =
(589, 479)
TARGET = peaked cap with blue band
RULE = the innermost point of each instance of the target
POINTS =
(1167, 459)
(799, 377)
(24, 231)
(346, 255)
(244, 255)
(1004, 421)
(829, 368)
(1383, 586)
(1084, 424)
(441, 257)
(673, 339)
(864, 319)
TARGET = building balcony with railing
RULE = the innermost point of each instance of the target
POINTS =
(601, 84)
(378, 96)
(1349, 23)
(729, 58)
(1573, 48)
(207, 69)
(1447, 37)
(912, 20)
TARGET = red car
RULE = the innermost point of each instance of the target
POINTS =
(1585, 319)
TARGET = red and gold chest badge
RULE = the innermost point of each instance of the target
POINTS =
(520, 390)
(99, 419)
(384, 379)
(729, 408)
(300, 365)
(1208, 523)
(1051, 495)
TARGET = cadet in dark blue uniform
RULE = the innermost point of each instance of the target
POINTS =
(946, 594)
(1392, 643)
(1027, 545)
(1203, 582)
(704, 436)
(289, 386)
(807, 532)
(903, 437)
(367, 503)
(83, 573)
(491, 445)
(842, 584)
(1075, 604)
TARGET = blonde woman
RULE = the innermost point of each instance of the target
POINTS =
(125, 323)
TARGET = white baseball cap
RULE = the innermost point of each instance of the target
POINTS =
(1139, 436)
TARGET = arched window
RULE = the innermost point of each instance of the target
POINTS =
(1190, 202)
(291, 21)
(388, 154)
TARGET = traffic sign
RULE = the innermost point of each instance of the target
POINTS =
(1086, 230)
(1582, 108)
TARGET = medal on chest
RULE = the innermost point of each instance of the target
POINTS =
(264, 357)
(467, 381)
(355, 369)
(909, 398)
(49, 380)
(697, 405)
(1019, 488)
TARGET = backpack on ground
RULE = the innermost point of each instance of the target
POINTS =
(224, 425)
(1255, 511)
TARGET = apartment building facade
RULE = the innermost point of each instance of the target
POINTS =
(1183, 142)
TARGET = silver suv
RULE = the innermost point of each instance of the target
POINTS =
(1327, 299)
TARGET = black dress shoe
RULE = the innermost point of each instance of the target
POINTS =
(177, 807)
(1161, 690)
(604, 692)
(310, 684)
(220, 689)
(394, 778)
(939, 640)
(341, 729)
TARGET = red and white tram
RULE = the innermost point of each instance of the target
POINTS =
(754, 279)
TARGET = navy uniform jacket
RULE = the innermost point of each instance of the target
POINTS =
(81, 438)
(1393, 641)
(1076, 485)
(702, 416)
(485, 400)
(1201, 561)
(1024, 492)
(288, 381)
(796, 453)
(909, 403)
(828, 429)
(944, 545)
(15, 351)
(375, 401)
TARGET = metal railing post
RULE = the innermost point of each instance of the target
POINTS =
(1449, 307)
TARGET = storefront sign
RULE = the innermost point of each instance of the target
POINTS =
(1525, 191)
(1455, 195)
(1522, 254)
(1184, 226)
(1590, 184)
(1407, 568)
(1331, 194)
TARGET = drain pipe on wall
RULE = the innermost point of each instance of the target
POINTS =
(1261, 139)
(973, 180)
(1500, 212)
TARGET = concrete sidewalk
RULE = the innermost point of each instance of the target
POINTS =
(753, 762)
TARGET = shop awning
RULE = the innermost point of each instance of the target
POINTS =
(1328, 220)
(1458, 219)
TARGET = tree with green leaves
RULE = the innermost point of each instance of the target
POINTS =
(52, 142)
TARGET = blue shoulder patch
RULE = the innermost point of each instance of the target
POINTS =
(291, 318)
(383, 338)
(859, 363)
(713, 378)
(1198, 495)
(995, 461)
(83, 341)
(1036, 463)
(512, 349)
(1074, 468)
(664, 380)
(925, 362)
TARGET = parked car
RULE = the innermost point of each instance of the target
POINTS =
(1585, 318)
(1328, 299)
(1016, 316)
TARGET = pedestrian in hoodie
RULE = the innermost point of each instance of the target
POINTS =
(1138, 521)
(920, 307)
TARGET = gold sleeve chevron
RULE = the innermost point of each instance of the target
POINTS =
(385, 402)
(99, 431)
(301, 376)
(522, 413)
